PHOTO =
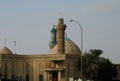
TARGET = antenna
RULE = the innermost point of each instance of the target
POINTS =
(15, 46)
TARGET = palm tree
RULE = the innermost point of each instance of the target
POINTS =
(96, 52)
(91, 62)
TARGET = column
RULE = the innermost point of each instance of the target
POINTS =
(59, 75)
(45, 76)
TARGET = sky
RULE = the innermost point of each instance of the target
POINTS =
(29, 22)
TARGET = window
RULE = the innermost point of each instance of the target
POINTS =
(27, 77)
(13, 76)
(40, 77)
(5, 76)
(20, 78)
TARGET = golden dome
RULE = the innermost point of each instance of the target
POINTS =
(5, 50)
(70, 47)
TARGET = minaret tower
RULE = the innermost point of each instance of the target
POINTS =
(53, 42)
(61, 36)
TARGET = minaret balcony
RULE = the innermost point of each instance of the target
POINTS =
(57, 57)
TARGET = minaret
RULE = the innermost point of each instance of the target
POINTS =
(60, 36)
(53, 42)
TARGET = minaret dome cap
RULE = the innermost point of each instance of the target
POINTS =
(53, 29)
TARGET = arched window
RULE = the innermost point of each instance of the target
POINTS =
(40, 77)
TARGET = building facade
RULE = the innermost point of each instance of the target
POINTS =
(59, 65)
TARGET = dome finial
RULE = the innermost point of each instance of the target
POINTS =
(60, 14)
(5, 42)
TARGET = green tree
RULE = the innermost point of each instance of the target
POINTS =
(106, 70)
(96, 67)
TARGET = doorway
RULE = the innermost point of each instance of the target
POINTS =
(55, 76)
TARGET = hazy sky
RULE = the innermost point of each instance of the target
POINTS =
(29, 22)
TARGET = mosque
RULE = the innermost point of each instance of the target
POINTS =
(59, 65)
